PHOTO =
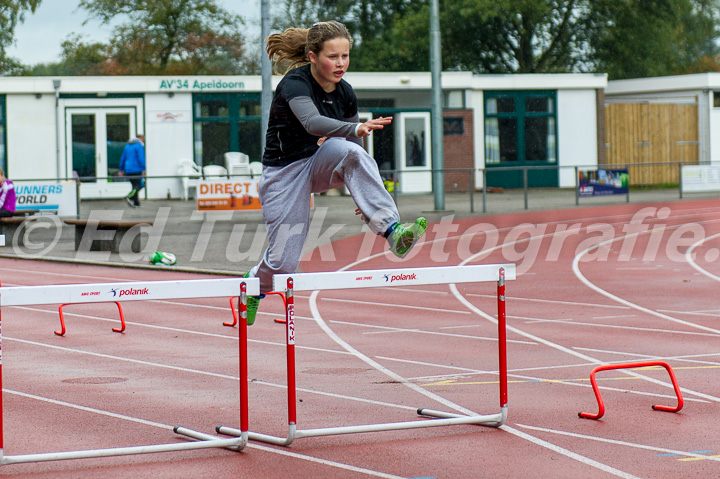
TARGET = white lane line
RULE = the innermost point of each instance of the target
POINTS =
(692, 313)
(620, 443)
(206, 373)
(422, 331)
(120, 358)
(436, 365)
(395, 305)
(576, 353)
(688, 358)
(549, 301)
(179, 330)
(579, 275)
(282, 452)
(584, 383)
(570, 454)
(446, 402)
(374, 402)
(689, 259)
(613, 326)
(618, 299)
(325, 327)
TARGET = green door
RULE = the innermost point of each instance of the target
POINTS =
(520, 131)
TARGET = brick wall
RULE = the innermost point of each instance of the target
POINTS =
(458, 146)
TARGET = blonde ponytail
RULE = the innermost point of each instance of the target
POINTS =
(290, 49)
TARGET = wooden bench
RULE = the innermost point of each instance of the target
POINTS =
(25, 212)
(9, 225)
(119, 227)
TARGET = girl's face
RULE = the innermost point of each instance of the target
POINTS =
(330, 64)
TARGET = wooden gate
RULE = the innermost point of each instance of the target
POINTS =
(643, 134)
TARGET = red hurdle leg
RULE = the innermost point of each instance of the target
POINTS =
(601, 405)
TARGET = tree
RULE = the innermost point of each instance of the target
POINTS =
(370, 22)
(167, 37)
(633, 39)
(12, 12)
(625, 38)
(500, 36)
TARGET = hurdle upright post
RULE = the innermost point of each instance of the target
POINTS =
(290, 340)
(243, 355)
(502, 340)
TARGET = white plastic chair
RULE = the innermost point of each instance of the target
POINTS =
(214, 170)
(233, 158)
(190, 173)
(256, 168)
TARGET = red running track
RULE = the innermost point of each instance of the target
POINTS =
(596, 286)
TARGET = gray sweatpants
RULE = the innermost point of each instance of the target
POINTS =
(285, 197)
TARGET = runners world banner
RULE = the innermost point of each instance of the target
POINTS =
(47, 196)
(233, 194)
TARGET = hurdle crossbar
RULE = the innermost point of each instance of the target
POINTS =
(383, 278)
(139, 291)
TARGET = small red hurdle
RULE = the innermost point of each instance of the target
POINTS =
(642, 364)
(62, 318)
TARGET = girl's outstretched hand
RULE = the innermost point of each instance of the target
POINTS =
(375, 124)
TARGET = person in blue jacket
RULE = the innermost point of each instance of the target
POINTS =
(132, 165)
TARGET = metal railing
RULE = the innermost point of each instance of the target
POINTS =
(670, 170)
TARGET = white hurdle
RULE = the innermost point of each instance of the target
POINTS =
(139, 291)
(385, 278)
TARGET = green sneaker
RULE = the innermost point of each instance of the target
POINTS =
(252, 304)
(406, 235)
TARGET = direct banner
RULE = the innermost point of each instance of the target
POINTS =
(224, 194)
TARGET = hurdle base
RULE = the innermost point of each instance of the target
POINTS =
(201, 436)
(207, 442)
(493, 420)
(442, 419)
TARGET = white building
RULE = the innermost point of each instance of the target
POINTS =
(53, 128)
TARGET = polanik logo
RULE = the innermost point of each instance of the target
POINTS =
(129, 292)
(399, 277)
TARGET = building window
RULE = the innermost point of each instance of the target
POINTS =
(226, 122)
(454, 99)
(520, 128)
(3, 148)
(716, 99)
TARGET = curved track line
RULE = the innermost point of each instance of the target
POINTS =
(691, 261)
(570, 454)
(540, 442)
(618, 299)
(623, 443)
(548, 445)
(607, 294)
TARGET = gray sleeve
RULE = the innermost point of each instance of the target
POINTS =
(316, 124)
(355, 119)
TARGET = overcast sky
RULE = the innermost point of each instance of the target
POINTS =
(38, 39)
